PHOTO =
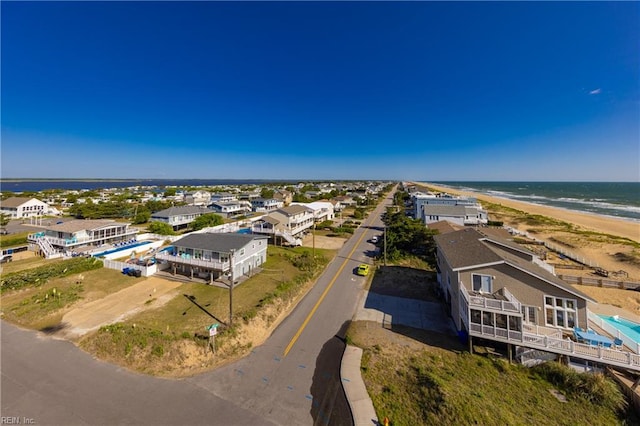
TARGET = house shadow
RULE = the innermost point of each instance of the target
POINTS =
(406, 301)
(54, 329)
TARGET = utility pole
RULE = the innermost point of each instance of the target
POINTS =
(313, 233)
(384, 234)
(231, 288)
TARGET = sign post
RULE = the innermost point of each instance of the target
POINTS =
(213, 330)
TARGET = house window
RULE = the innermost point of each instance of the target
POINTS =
(529, 314)
(560, 312)
(482, 283)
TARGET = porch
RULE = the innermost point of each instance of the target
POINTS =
(490, 317)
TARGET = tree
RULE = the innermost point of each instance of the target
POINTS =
(4, 219)
(160, 228)
(408, 236)
(267, 193)
(169, 192)
(206, 221)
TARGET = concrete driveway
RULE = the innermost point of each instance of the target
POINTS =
(391, 310)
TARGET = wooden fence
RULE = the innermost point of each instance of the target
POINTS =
(600, 282)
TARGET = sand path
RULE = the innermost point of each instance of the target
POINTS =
(118, 306)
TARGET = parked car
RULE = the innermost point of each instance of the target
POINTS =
(363, 270)
(374, 239)
(6, 258)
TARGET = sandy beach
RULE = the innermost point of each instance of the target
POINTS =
(608, 255)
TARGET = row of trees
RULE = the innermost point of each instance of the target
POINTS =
(137, 213)
(407, 236)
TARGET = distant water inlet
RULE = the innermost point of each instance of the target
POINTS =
(626, 327)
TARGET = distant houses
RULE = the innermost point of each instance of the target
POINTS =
(179, 217)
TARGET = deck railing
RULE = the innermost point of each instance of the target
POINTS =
(559, 345)
(512, 306)
(74, 241)
(211, 264)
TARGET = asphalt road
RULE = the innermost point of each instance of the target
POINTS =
(292, 379)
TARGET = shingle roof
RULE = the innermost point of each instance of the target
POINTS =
(466, 248)
(217, 242)
(15, 201)
(81, 225)
(180, 210)
(293, 209)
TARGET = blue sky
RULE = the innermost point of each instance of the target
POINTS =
(321, 90)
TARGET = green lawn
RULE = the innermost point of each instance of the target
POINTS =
(170, 340)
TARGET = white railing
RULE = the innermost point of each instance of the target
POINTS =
(211, 264)
(487, 303)
(68, 242)
(628, 341)
(541, 330)
(559, 345)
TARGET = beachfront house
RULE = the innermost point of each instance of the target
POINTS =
(179, 216)
(211, 256)
(79, 235)
(21, 207)
(496, 290)
(419, 200)
(458, 214)
(223, 197)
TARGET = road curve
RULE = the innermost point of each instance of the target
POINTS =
(292, 379)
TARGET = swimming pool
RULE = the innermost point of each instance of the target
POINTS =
(629, 328)
(127, 247)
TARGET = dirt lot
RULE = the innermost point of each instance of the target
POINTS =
(405, 281)
(147, 294)
(331, 243)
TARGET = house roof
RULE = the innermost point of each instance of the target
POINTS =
(180, 210)
(217, 242)
(464, 248)
(444, 226)
(16, 201)
(293, 209)
(81, 225)
(470, 248)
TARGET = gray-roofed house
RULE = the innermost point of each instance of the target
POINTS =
(497, 290)
(230, 208)
(209, 256)
(179, 216)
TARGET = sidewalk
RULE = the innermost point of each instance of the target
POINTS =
(361, 406)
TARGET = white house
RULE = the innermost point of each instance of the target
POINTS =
(230, 208)
(179, 216)
(19, 207)
(197, 198)
(213, 255)
(266, 204)
(460, 215)
(322, 210)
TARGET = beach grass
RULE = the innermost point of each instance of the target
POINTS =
(420, 377)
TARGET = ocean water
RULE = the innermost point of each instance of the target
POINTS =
(616, 199)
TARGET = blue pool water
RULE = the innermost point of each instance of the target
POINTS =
(244, 231)
(115, 250)
(627, 327)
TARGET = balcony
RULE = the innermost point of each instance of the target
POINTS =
(188, 260)
(75, 241)
(500, 301)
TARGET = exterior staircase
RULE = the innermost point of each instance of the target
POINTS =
(49, 251)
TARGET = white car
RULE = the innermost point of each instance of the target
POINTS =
(374, 239)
